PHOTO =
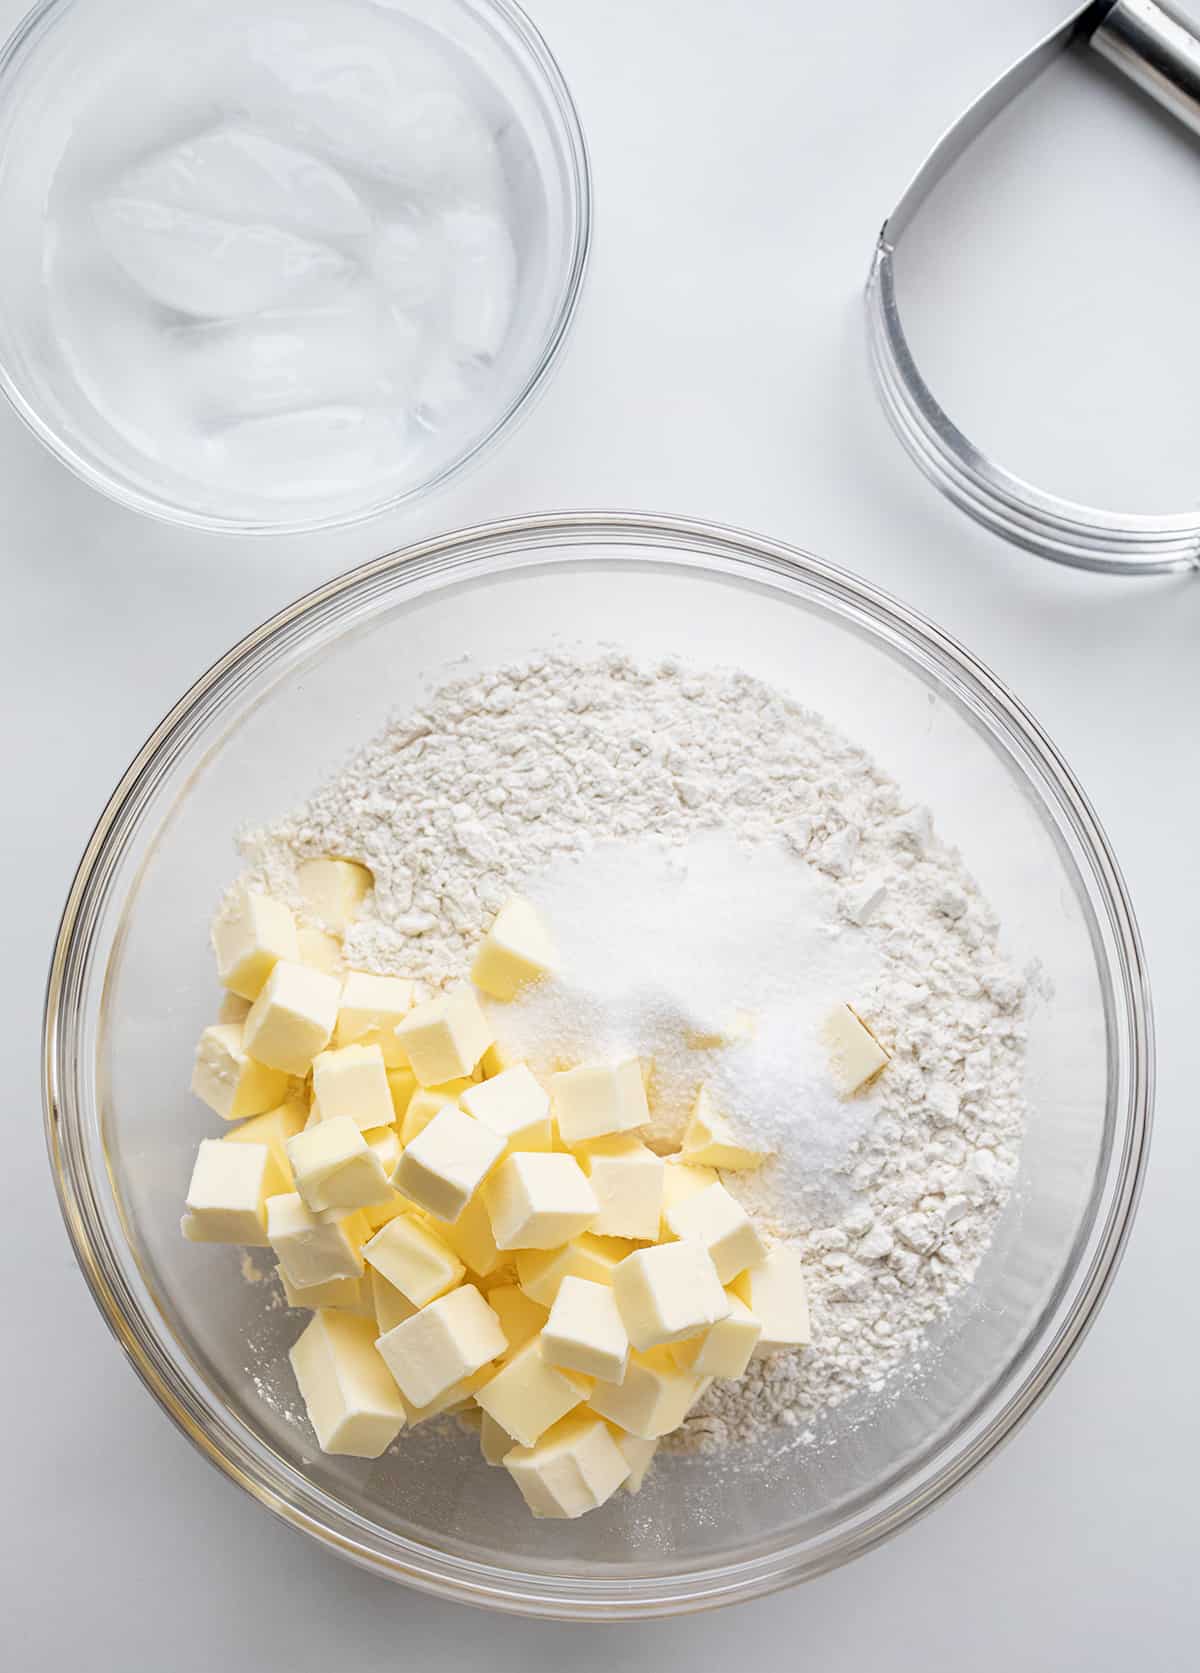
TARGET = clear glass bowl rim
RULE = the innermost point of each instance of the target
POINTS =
(489, 549)
(528, 44)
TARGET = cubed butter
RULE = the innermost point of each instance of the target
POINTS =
(459, 1397)
(333, 890)
(391, 1305)
(638, 1454)
(668, 1293)
(335, 1169)
(350, 1295)
(538, 1201)
(233, 1008)
(227, 1197)
(274, 1128)
(321, 951)
(855, 1055)
(575, 1467)
(386, 1145)
(352, 1402)
(514, 1106)
(541, 1271)
(229, 1080)
(352, 1081)
(292, 1018)
(680, 1181)
(311, 1250)
(515, 951)
(445, 1165)
(775, 1293)
(584, 1331)
(495, 1060)
(521, 1319)
(414, 1258)
(379, 1214)
(726, 1348)
(494, 1443)
(710, 1141)
(450, 1339)
(718, 1222)
(372, 1007)
(445, 1037)
(528, 1393)
(470, 1236)
(402, 1084)
(652, 1399)
(599, 1098)
(627, 1178)
(250, 940)
(424, 1104)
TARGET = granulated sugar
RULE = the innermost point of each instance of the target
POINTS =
(508, 777)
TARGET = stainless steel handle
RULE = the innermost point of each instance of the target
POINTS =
(1156, 47)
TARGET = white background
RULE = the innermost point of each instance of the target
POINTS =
(745, 152)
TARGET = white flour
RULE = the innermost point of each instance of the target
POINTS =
(506, 774)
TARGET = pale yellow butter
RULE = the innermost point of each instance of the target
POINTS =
(514, 1106)
(391, 1306)
(680, 1181)
(726, 1348)
(638, 1454)
(321, 951)
(444, 1166)
(494, 1443)
(627, 1178)
(652, 1399)
(541, 1271)
(585, 1332)
(351, 1295)
(371, 1010)
(538, 1201)
(599, 1098)
(335, 1169)
(668, 1293)
(450, 1339)
(256, 935)
(352, 1402)
(292, 1018)
(470, 1236)
(414, 1258)
(528, 1393)
(227, 1197)
(312, 1250)
(233, 1008)
(229, 1080)
(402, 1084)
(710, 1141)
(333, 890)
(521, 1318)
(575, 1467)
(352, 1081)
(515, 951)
(274, 1128)
(718, 1222)
(445, 1037)
(424, 1104)
(775, 1293)
(855, 1055)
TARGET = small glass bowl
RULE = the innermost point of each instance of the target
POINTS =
(48, 73)
(132, 984)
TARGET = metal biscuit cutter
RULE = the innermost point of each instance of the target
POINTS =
(1159, 50)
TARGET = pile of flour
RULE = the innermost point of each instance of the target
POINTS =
(508, 775)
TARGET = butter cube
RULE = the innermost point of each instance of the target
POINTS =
(371, 1009)
(311, 1250)
(335, 1169)
(445, 1037)
(391, 1306)
(638, 1454)
(333, 890)
(718, 1222)
(538, 1201)
(229, 1080)
(627, 1178)
(352, 1081)
(459, 1397)
(256, 935)
(775, 1293)
(584, 1331)
(273, 1128)
(424, 1104)
(528, 1393)
(494, 1061)
(414, 1258)
(470, 1236)
(379, 1214)
(541, 1271)
(292, 1018)
(726, 1349)
(599, 1098)
(668, 1293)
(350, 1295)
(445, 1165)
(516, 950)
(709, 1140)
(402, 1084)
(385, 1143)
(681, 1180)
(443, 1343)
(521, 1319)
(233, 1008)
(495, 1443)
(228, 1193)
(352, 1402)
(855, 1055)
(574, 1468)
(513, 1106)
(653, 1398)
(321, 951)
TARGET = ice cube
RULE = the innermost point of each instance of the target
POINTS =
(232, 173)
(317, 454)
(214, 268)
(483, 266)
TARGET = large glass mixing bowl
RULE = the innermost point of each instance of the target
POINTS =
(132, 984)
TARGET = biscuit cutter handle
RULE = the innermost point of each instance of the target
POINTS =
(1157, 47)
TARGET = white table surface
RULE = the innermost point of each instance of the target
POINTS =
(739, 146)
